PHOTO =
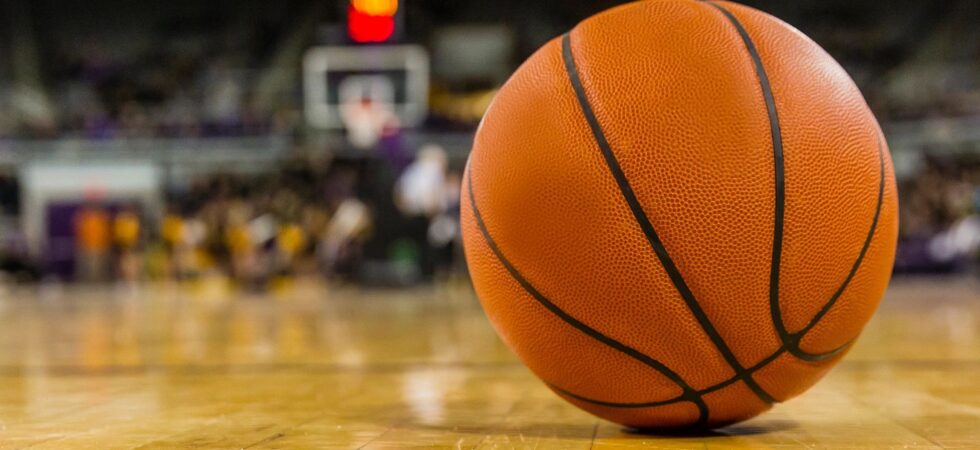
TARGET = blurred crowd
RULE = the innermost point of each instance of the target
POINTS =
(940, 215)
(191, 77)
(911, 60)
(363, 218)
(383, 221)
(169, 92)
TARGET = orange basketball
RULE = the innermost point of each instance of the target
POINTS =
(679, 213)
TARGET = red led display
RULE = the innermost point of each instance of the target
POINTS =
(363, 26)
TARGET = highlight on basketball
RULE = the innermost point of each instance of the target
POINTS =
(375, 224)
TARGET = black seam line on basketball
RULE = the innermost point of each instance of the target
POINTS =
(778, 169)
(670, 401)
(751, 370)
(679, 398)
(715, 387)
(792, 340)
(569, 319)
(794, 345)
(640, 216)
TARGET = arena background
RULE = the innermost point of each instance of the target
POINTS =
(215, 157)
(195, 135)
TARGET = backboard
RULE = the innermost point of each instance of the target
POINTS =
(395, 76)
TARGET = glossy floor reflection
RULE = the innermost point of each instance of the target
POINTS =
(317, 367)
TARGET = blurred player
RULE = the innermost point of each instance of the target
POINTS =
(365, 119)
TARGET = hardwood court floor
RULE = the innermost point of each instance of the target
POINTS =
(312, 367)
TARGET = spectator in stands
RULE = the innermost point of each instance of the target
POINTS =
(92, 240)
(340, 246)
(126, 232)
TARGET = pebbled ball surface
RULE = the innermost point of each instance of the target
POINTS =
(572, 281)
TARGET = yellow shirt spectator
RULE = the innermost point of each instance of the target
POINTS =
(171, 229)
(238, 239)
(126, 229)
(291, 239)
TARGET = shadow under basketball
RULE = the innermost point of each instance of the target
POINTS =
(740, 429)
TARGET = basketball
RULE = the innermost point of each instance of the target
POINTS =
(679, 213)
